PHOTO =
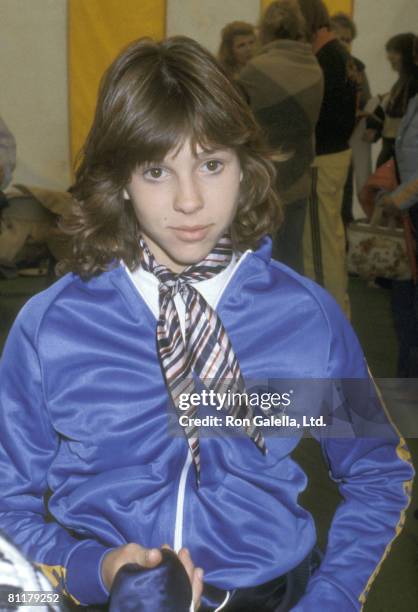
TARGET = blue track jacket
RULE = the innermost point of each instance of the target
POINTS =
(83, 425)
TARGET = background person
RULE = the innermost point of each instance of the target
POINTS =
(284, 85)
(345, 29)
(29, 228)
(238, 44)
(405, 198)
(324, 237)
(173, 285)
(386, 119)
(360, 168)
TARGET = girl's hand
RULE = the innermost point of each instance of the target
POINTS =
(149, 558)
(129, 553)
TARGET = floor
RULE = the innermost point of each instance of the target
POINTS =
(396, 586)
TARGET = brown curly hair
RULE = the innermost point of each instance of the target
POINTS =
(226, 52)
(153, 96)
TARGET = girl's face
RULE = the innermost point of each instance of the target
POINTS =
(395, 60)
(243, 47)
(186, 202)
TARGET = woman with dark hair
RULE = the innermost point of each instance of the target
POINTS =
(125, 420)
(238, 43)
(387, 118)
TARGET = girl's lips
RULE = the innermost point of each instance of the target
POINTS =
(191, 233)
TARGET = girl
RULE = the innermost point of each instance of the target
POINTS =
(173, 294)
(238, 44)
(387, 118)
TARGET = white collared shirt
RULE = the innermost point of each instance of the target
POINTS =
(211, 289)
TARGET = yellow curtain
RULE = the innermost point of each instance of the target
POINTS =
(97, 31)
(334, 6)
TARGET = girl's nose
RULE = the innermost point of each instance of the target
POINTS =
(188, 197)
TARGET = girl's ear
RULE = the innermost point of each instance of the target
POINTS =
(126, 195)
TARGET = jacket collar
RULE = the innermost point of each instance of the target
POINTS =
(264, 249)
(124, 283)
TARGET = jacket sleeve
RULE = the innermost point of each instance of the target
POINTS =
(406, 195)
(376, 120)
(374, 473)
(28, 445)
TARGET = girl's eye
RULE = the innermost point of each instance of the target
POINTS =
(213, 166)
(154, 173)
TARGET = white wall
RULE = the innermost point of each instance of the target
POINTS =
(33, 72)
(204, 20)
(33, 93)
(33, 66)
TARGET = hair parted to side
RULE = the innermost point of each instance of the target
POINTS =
(153, 97)
(282, 19)
(228, 33)
(343, 20)
(316, 16)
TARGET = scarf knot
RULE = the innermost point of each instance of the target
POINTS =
(170, 287)
(205, 351)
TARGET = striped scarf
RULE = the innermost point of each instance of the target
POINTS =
(206, 350)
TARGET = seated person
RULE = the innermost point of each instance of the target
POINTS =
(174, 298)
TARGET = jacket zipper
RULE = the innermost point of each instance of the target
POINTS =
(178, 528)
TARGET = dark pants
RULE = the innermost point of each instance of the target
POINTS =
(405, 314)
(278, 595)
